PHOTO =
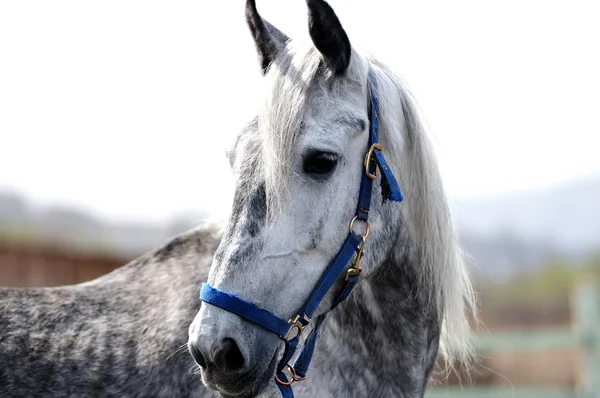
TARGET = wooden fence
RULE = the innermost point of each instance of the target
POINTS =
(583, 335)
(29, 266)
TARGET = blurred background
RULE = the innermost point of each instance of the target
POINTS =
(114, 118)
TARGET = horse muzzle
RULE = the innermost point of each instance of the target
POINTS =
(236, 358)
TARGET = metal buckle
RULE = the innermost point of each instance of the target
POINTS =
(353, 271)
(369, 158)
(294, 378)
(294, 324)
(356, 269)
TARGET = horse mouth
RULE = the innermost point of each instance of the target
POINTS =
(247, 385)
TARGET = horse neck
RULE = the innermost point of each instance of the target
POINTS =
(382, 341)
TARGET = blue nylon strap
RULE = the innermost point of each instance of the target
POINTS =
(290, 349)
(366, 184)
(330, 275)
(374, 116)
(286, 391)
(364, 196)
(390, 187)
(345, 292)
(388, 180)
(303, 361)
(245, 309)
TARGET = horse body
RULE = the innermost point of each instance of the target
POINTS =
(121, 335)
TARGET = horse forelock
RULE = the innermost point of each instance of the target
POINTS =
(292, 82)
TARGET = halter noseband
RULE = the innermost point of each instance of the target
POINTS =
(290, 331)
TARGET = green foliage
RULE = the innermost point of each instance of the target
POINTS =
(23, 235)
(16, 233)
(550, 286)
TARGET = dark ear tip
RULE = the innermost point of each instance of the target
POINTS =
(318, 3)
(251, 11)
(329, 36)
(316, 7)
(267, 38)
(321, 8)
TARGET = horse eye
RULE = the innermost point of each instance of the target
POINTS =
(320, 163)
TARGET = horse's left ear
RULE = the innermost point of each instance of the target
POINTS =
(268, 39)
(328, 36)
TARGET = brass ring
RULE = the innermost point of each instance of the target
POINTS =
(293, 379)
(296, 378)
(367, 226)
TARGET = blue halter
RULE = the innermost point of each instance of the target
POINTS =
(290, 331)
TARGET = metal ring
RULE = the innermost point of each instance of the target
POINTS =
(367, 226)
(293, 379)
(296, 378)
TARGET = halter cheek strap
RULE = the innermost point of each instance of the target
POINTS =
(290, 331)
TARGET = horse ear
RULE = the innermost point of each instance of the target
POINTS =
(268, 39)
(328, 36)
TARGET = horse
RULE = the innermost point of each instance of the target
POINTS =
(121, 335)
(304, 176)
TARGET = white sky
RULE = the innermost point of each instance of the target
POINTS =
(124, 107)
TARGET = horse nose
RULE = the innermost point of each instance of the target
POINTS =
(228, 356)
(225, 356)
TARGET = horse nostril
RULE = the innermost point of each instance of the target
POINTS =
(197, 355)
(228, 356)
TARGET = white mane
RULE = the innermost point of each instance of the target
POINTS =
(442, 259)
(291, 78)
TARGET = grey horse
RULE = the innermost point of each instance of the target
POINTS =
(298, 174)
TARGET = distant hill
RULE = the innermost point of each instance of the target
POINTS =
(13, 208)
(567, 215)
(77, 230)
(505, 233)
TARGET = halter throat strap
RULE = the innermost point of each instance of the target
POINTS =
(291, 330)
